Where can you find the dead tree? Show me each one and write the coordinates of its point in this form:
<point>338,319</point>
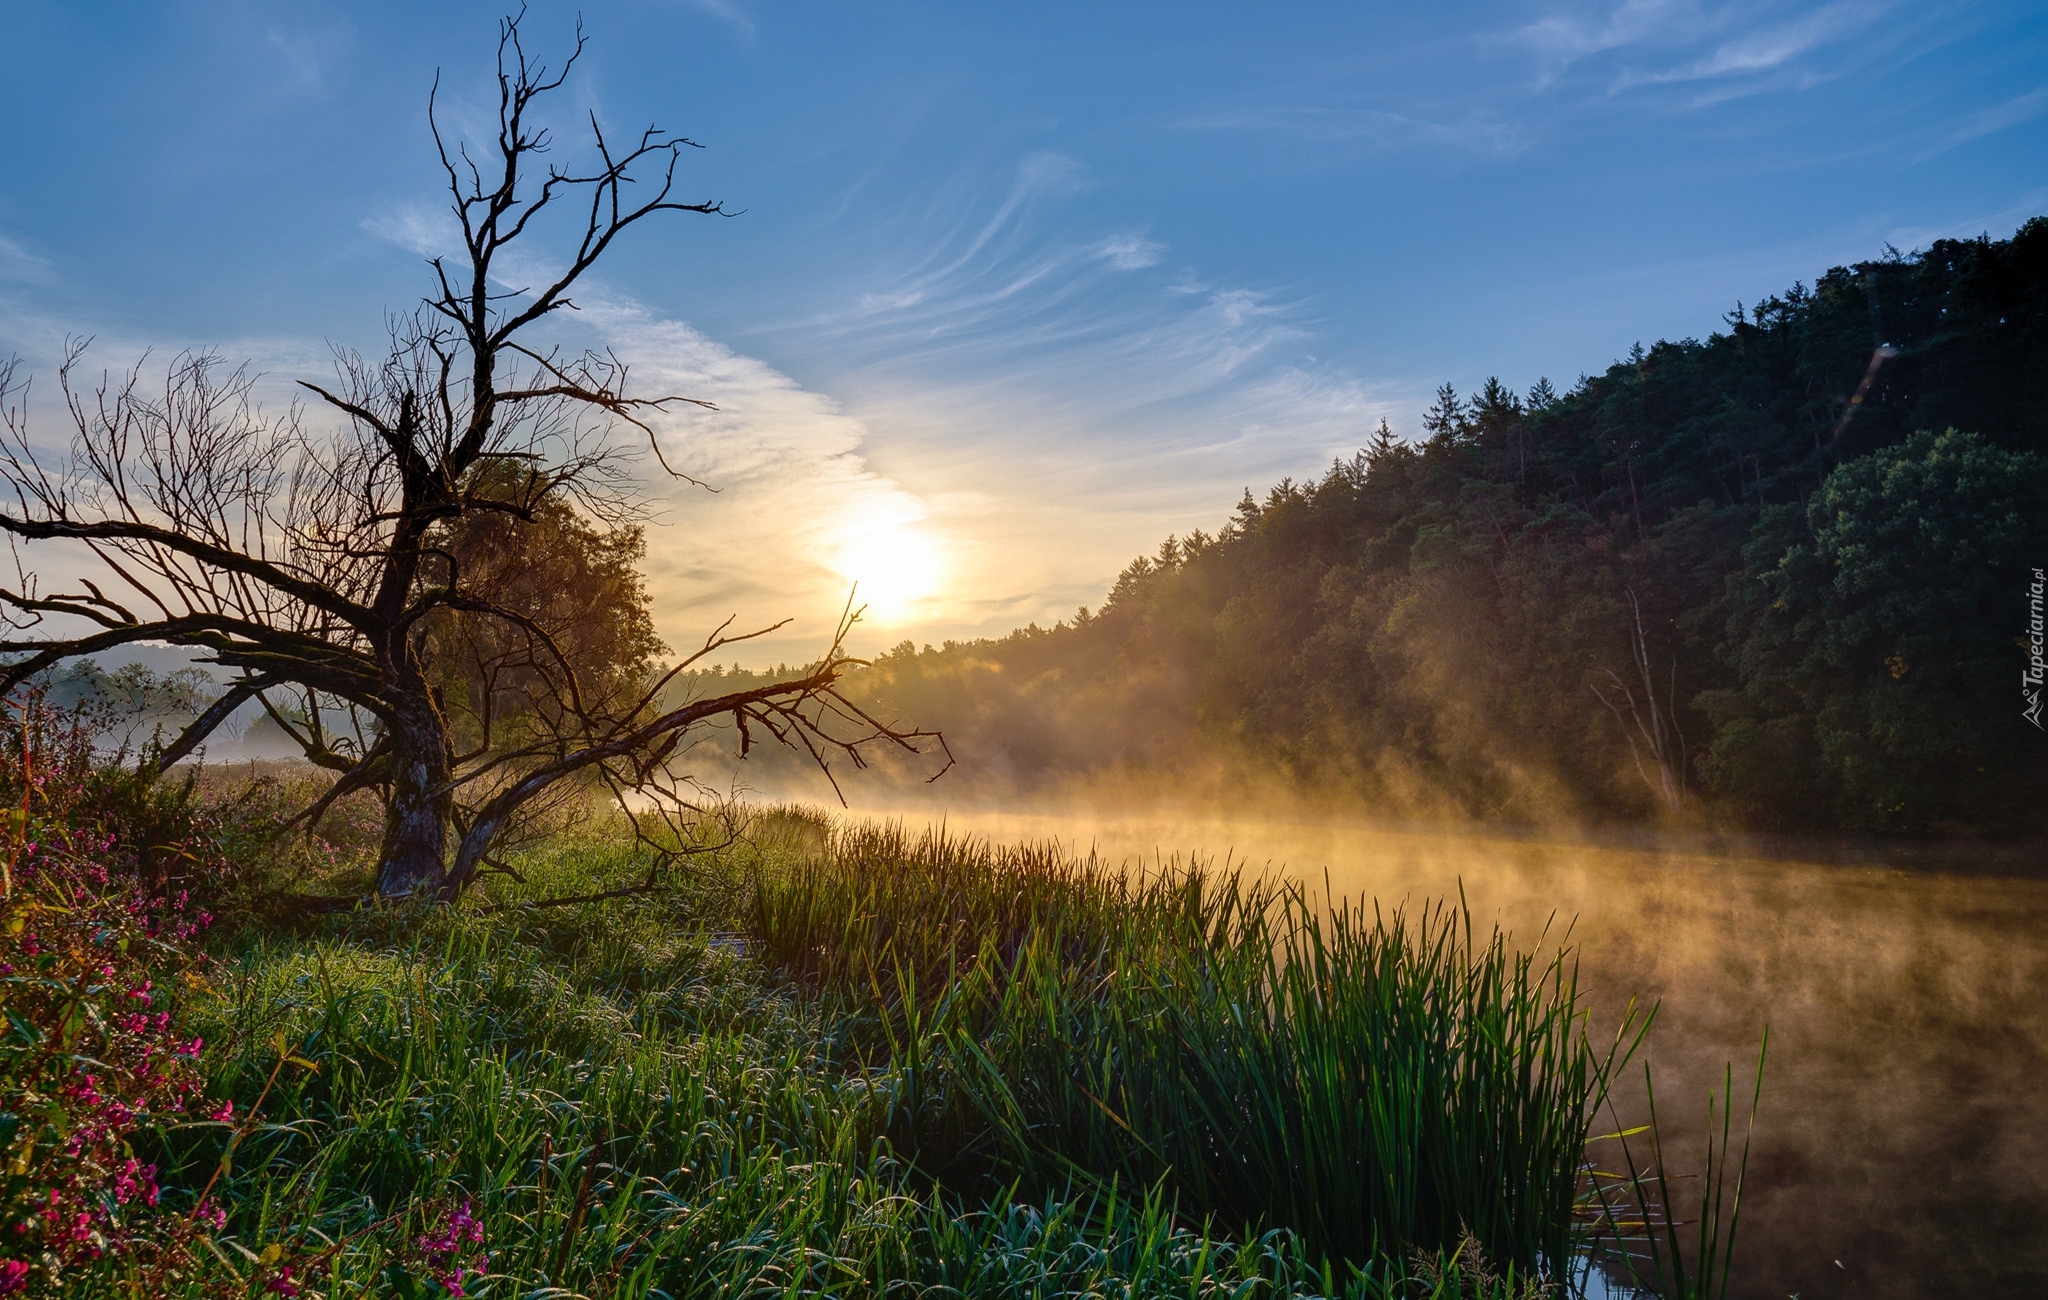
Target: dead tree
<point>313,566</point>
<point>1648,726</point>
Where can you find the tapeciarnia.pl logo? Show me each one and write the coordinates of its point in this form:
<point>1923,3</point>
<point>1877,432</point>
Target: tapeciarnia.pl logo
<point>2030,681</point>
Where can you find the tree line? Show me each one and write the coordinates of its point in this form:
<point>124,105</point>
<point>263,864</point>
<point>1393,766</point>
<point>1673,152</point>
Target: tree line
<point>1776,578</point>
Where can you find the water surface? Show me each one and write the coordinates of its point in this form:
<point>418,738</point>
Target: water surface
<point>1902,1148</point>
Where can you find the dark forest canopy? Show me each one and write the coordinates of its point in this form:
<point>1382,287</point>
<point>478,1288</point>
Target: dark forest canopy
<point>1775,578</point>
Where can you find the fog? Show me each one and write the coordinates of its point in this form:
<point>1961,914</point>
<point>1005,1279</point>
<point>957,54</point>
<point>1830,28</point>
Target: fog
<point>1902,1146</point>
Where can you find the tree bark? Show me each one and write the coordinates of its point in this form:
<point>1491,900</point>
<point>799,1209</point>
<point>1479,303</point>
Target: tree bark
<point>414,860</point>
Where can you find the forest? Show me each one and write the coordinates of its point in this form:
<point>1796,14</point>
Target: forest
<point>1776,579</point>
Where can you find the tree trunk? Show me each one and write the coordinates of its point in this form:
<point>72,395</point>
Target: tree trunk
<point>415,855</point>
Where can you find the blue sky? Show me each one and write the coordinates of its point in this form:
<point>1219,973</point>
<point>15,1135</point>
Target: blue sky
<point>1018,290</point>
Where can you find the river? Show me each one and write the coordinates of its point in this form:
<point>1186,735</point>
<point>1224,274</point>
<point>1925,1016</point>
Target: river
<point>1902,1145</point>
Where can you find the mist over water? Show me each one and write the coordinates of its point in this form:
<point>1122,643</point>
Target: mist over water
<point>1902,1146</point>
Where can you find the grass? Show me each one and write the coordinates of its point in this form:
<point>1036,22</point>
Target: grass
<point>1378,1084</point>
<point>924,1067</point>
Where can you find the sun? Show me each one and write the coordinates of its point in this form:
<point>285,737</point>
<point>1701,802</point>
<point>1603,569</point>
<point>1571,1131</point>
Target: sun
<point>894,566</point>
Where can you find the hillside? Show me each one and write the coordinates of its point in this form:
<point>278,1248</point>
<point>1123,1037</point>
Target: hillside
<point>1746,579</point>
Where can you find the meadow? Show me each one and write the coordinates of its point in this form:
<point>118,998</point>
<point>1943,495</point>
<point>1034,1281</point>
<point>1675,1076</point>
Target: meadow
<point>842,1059</point>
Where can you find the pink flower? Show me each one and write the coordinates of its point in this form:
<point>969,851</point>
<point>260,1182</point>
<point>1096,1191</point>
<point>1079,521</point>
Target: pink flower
<point>222,1113</point>
<point>13,1275</point>
<point>124,1185</point>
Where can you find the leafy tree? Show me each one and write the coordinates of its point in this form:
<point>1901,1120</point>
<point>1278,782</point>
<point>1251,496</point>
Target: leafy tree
<point>131,689</point>
<point>577,590</point>
<point>1874,635</point>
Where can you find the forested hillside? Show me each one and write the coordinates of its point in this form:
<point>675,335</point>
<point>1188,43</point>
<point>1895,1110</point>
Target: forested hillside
<point>1776,578</point>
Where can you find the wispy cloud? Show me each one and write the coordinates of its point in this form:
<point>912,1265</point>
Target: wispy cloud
<point>1478,131</point>
<point>1989,121</point>
<point>1639,43</point>
<point>728,12</point>
<point>1576,57</point>
<point>1566,36</point>
<point>1766,48</point>
<point>428,230</point>
<point>309,49</point>
<point>994,278</point>
<point>22,266</point>
<point>1132,252</point>
<point>1061,399</point>
<point>784,465</point>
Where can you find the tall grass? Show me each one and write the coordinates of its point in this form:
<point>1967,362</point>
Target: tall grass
<point>633,1105</point>
<point>1638,1210</point>
<point>1380,1084</point>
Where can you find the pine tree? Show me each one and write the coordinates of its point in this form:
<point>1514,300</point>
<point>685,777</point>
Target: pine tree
<point>1446,419</point>
<point>1495,405</point>
<point>1381,445</point>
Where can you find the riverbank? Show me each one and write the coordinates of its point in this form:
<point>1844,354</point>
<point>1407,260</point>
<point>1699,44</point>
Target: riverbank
<point>842,1063</point>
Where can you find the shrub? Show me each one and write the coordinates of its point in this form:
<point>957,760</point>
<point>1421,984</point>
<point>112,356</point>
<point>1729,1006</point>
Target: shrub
<point>96,933</point>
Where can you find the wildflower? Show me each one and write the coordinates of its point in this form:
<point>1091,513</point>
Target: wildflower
<point>135,1179</point>
<point>13,1275</point>
<point>222,1113</point>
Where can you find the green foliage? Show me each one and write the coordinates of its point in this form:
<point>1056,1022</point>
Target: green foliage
<point>631,1101</point>
<point>130,689</point>
<point>1642,1212</point>
<point>1873,635</point>
<point>574,586</point>
<point>1421,628</point>
<point>1376,1084</point>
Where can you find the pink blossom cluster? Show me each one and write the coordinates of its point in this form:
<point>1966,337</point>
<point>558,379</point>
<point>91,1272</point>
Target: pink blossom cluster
<point>453,1251</point>
<point>87,933</point>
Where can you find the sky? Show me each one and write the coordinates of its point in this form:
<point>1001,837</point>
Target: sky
<point>1015,291</point>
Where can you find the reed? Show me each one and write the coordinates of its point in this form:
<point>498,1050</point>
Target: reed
<point>1637,1211</point>
<point>1378,1083</point>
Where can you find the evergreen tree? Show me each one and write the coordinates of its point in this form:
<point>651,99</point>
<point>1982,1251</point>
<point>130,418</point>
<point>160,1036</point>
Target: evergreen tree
<point>1445,420</point>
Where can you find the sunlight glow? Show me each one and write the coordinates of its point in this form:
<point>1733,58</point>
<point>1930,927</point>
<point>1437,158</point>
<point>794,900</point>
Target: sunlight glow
<point>895,565</point>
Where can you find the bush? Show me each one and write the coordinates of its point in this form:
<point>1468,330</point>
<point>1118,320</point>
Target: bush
<point>99,927</point>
